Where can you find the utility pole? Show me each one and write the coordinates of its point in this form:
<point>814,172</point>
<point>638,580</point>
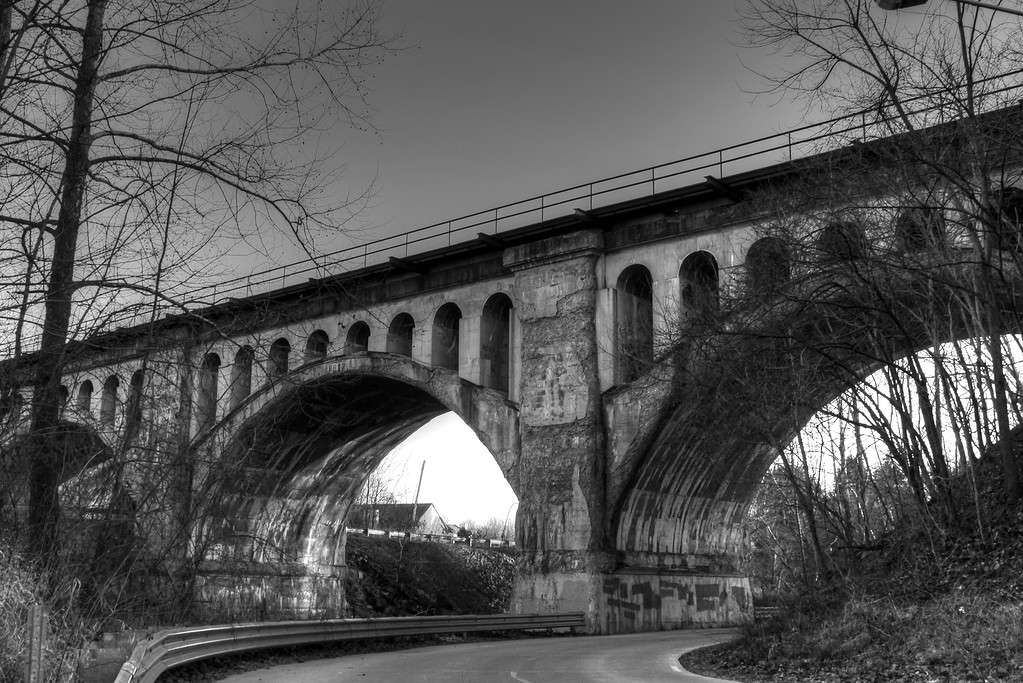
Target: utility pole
<point>415,502</point>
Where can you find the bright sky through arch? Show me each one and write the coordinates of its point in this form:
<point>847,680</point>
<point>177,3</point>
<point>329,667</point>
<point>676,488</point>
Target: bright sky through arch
<point>461,477</point>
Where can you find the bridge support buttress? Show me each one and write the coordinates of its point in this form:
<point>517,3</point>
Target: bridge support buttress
<point>569,560</point>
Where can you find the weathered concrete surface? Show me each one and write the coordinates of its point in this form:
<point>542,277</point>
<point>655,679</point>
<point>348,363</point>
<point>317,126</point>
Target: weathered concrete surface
<point>560,520</point>
<point>226,592</point>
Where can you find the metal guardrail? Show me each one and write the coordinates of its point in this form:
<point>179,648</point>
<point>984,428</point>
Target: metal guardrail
<point>767,612</point>
<point>174,647</point>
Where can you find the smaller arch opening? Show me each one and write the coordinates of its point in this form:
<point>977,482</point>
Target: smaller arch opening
<point>767,266</point>
<point>495,342</point>
<point>698,282</point>
<point>357,340</point>
<point>241,375</point>
<point>134,408</point>
<point>206,409</point>
<point>83,402</point>
<point>108,402</point>
<point>316,346</point>
<point>634,323</point>
<point>1004,228</point>
<point>280,351</point>
<point>64,395</point>
<point>399,335</point>
<point>444,349</point>
<point>841,241</point>
<point>918,229</point>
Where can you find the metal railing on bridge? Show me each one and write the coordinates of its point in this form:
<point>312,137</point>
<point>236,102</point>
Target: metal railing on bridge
<point>788,145</point>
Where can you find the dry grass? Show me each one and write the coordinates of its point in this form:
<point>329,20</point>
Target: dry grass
<point>957,637</point>
<point>19,590</point>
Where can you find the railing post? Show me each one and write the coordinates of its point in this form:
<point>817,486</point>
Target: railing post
<point>449,233</point>
<point>34,663</point>
<point>721,164</point>
<point>495,221</point>
<point>790,146</point>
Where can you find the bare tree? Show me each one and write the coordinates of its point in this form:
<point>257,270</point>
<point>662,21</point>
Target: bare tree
<point>136,135</point>
<point>931,81</point>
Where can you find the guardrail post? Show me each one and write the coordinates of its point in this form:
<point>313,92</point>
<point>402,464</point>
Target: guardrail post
<point>36,642</point>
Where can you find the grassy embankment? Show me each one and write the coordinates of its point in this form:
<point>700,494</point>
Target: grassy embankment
<point>918,607</point>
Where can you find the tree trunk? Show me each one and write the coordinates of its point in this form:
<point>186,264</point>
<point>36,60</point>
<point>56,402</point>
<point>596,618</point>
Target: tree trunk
<point>46,465</point>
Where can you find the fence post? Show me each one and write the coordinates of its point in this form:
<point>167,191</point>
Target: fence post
<point>36,644</point>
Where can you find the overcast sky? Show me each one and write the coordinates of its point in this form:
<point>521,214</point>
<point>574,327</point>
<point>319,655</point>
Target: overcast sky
<point>493,102</point>
<point>496,101</point>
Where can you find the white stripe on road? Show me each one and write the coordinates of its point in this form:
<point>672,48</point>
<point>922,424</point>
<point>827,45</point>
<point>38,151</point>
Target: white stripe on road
<point>518,678</point>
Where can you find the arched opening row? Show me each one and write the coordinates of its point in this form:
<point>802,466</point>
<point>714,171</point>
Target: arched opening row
<point>110,400</point>
<point>446,352</point>
<point>768,267</point>
<point>698,298</point>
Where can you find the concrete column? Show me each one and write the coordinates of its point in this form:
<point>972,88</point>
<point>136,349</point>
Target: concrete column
<point>605,331</point>
<point>515,357</point>
<point>666,312</point>
<point>560,520</point>
<point>422,342</point>
<point>377,336</point>
<point>469,349</point>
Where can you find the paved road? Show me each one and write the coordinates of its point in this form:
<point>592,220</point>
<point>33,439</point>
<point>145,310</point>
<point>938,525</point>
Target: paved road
<point>633,658</point>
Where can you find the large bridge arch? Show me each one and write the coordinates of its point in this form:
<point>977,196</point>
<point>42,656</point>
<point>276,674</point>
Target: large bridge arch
<point>681,478</point>
<point>291,458</point>
<point>486,411</point>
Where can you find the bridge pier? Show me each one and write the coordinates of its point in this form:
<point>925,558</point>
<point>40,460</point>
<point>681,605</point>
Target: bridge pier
<point>560,521</point>
<point>569,561</point>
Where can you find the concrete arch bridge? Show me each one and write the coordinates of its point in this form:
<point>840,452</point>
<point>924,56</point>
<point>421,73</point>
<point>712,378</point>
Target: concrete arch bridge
<point>617,362</point>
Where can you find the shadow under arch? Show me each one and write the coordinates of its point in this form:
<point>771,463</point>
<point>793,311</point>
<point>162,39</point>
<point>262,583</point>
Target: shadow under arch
<point>682,485</point>
<point>286,465</point>
<point>82,453</point>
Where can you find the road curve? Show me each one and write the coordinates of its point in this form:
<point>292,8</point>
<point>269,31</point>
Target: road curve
<point>634,658</point>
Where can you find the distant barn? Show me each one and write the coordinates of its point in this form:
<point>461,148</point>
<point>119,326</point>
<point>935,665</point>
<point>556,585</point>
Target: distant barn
<point>422,518</point>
